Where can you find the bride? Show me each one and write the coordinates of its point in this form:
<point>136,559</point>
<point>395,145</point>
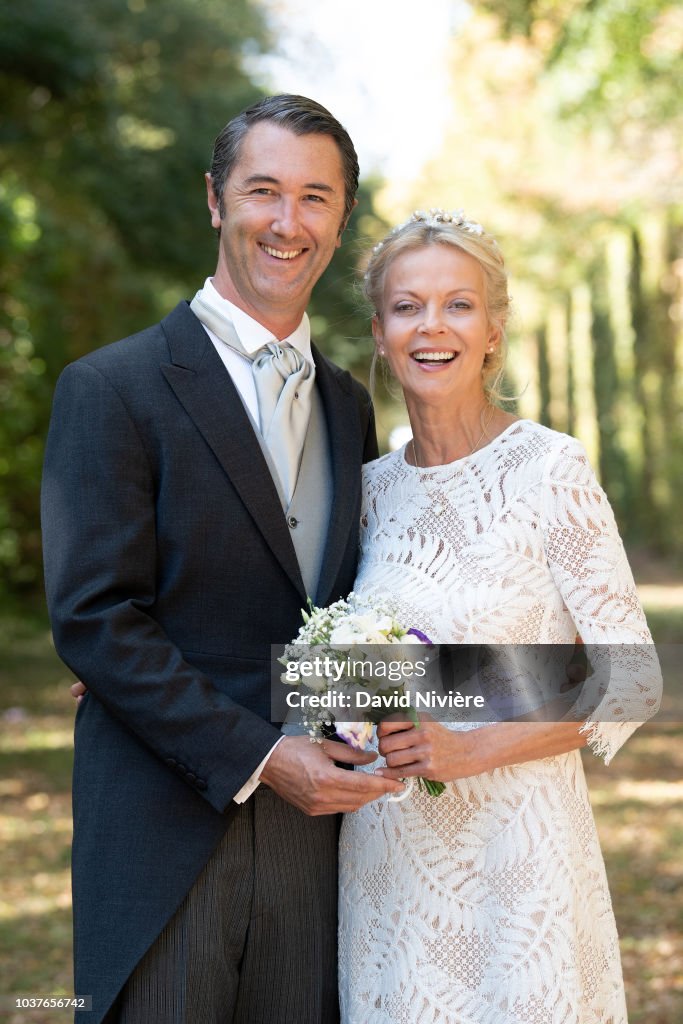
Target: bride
<point>488,904</point>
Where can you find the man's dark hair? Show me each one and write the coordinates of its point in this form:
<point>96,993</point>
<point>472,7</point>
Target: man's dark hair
<point>297,114</point>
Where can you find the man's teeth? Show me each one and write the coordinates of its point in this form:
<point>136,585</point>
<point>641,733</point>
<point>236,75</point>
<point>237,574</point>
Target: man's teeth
<point>279,254</point>
<point>433,357</point>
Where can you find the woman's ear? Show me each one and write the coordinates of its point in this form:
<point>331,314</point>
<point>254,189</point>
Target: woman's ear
<point>494,339</point>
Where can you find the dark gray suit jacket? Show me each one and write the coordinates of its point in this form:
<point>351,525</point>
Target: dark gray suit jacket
<point>169,571</point>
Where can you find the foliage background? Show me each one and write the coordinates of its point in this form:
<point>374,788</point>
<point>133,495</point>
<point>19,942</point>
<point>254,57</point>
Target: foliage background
<point>565,139</point>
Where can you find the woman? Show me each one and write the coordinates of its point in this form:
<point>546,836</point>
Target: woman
<point>488,904</point>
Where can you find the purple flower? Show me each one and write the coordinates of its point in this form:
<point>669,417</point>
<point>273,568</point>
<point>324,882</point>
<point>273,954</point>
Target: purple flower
<point>422,637</point>
<point>356,734</point>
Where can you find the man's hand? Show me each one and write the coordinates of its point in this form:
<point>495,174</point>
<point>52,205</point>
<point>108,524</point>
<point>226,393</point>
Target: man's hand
<point>304,774</point>
<point>78,690</point>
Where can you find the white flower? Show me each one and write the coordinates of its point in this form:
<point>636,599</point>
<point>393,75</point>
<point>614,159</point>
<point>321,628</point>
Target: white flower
<point>371,624</point>
<point>345,635</point>
<point>362,628</point>
<point>317,681</point>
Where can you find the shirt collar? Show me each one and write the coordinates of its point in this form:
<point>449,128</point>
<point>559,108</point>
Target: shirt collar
<point>251,333</point>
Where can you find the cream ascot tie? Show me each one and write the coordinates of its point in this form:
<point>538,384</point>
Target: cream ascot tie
<point>284,381</point>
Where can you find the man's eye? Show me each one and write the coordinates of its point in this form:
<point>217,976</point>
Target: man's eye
<point>317,199</point>
<point>262,191</point>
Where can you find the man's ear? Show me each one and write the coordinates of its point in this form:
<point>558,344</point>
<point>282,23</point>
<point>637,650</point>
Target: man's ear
<point>212,202</point>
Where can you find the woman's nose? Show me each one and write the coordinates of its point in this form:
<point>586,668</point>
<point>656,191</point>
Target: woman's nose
<point>432,321</point>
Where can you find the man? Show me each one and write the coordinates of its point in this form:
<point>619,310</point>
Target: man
<point>197,487</point>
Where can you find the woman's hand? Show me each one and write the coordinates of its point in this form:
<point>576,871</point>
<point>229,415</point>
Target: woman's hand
<point>428,750</point>
<point>435,752</point>
<point>78,690</point>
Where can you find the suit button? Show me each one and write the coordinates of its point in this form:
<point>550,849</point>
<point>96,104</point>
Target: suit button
<point>191,777</point>
<point>201,784</point>
<point>292,522</point>
<point>171,762</point>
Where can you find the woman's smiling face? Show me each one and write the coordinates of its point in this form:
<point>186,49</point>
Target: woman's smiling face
<point>433,327</point>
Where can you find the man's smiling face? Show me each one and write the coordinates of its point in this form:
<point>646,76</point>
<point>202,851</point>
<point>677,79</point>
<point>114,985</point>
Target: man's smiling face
<point>283,213</point>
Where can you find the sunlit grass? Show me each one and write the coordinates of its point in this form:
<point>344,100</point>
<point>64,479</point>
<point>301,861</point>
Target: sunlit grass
<point>659,597</point>
<point>49,734</point>
<point>638,803</point>
<point>36,730</point>
<point>651,791</point>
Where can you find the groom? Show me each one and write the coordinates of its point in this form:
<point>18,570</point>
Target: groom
<point>202,479</point>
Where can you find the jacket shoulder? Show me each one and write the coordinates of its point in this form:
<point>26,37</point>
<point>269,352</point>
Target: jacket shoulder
<point>146,344</point>
<point>144,351</point>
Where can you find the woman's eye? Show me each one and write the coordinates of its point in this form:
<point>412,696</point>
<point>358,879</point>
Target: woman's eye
<point>404,307</point>
<point>460,304</point>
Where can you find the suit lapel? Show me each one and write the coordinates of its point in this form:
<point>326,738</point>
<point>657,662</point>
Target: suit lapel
<point>206,391</point>
<point>346,445</point>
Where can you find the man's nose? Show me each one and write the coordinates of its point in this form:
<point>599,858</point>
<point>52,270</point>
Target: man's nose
<point>286,223</point>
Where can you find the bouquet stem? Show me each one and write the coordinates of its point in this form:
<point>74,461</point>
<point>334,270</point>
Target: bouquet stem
<point>432,787</point>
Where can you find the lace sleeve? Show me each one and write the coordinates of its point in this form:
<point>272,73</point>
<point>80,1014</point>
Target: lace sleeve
<point>589,566</point>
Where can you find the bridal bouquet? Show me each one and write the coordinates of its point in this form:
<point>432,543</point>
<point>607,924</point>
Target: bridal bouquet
<point>339,656</point>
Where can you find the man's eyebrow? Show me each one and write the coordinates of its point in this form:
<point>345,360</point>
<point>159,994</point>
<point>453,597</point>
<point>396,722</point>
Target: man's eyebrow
<point>255,179</point>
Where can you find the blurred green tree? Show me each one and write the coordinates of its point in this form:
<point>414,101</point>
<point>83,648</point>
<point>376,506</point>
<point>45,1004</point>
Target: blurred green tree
<point>109,111</point>
<point>340,317</point>
<point>566,139</point>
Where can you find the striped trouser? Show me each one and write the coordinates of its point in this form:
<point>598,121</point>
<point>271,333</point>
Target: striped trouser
<point>254,941</point>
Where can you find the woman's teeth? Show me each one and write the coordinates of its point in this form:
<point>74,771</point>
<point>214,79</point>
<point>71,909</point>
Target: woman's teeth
<point>433,357</point>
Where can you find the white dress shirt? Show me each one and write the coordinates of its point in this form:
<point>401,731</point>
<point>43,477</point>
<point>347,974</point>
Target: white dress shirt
<point>253,336</point>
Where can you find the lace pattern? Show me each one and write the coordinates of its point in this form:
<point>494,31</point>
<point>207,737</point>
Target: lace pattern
<point>489,905</point>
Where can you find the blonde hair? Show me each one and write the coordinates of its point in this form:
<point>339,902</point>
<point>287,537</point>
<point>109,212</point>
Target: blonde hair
<point>417,234</point>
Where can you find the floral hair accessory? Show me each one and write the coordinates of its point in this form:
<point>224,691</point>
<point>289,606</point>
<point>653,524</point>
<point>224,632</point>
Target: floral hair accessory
<point>435,217</point>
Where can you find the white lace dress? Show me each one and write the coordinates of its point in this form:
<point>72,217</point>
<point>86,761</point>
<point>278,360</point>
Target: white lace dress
<point>489,904</point>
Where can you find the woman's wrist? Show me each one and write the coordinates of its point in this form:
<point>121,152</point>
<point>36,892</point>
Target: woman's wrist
<point>472,754</point>
<point>482,748</point>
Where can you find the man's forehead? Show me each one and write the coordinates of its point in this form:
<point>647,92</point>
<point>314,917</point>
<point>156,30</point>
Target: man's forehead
<point>270,152</point>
